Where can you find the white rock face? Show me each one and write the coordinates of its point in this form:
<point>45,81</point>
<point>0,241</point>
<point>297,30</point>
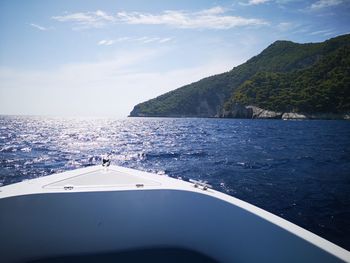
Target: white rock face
<point>293,116</point>
<point>238,111</point>
<point>259,113</point>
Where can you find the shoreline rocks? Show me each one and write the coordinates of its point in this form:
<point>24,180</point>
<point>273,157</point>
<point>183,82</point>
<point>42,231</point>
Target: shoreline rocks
<point>293,116</point>
<point>259,113</point>
<point>253,112</point>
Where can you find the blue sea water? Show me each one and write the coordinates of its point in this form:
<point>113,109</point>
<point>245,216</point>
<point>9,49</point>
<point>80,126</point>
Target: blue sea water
<point>299,170</point>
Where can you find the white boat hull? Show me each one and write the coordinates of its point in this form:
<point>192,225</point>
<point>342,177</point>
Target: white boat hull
<point>53,219</point>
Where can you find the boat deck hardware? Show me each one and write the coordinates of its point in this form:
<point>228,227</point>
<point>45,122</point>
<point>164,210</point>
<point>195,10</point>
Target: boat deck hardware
<point>106,161</point>
<point>203,184</point>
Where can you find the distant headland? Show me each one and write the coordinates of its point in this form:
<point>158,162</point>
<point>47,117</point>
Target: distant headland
<point>285,81</point>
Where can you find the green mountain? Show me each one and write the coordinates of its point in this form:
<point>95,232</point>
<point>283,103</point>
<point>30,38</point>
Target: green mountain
<point>286,76</point>
<point>324,87</point>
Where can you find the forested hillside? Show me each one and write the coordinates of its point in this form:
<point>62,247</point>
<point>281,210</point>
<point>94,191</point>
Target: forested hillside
<point>286,76</point>
<point>324,87</point>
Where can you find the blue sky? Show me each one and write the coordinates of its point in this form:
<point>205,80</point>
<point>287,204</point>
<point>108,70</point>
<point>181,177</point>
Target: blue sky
<point>100,58</point>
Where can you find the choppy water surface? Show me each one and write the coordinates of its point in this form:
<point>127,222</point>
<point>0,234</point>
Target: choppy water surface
<point>299,170</point>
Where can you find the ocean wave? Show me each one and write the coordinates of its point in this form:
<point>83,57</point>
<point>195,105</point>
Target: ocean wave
<point>8,149</point>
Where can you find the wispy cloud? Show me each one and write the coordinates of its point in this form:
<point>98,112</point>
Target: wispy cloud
<point>105,42</point>
<point>212,18</point>
<point>41,28</point>
<point>285,26</point>
<point>164,40</point>
<point>302,29</point>
<point>257,2</point>
<point>88,19</point>
<point>254,2</point>
<point>326,32</point>
<point>325,3</point>
<point>143,40</point>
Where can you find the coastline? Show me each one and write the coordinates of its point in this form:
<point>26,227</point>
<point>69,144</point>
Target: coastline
<point>253,112</point>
